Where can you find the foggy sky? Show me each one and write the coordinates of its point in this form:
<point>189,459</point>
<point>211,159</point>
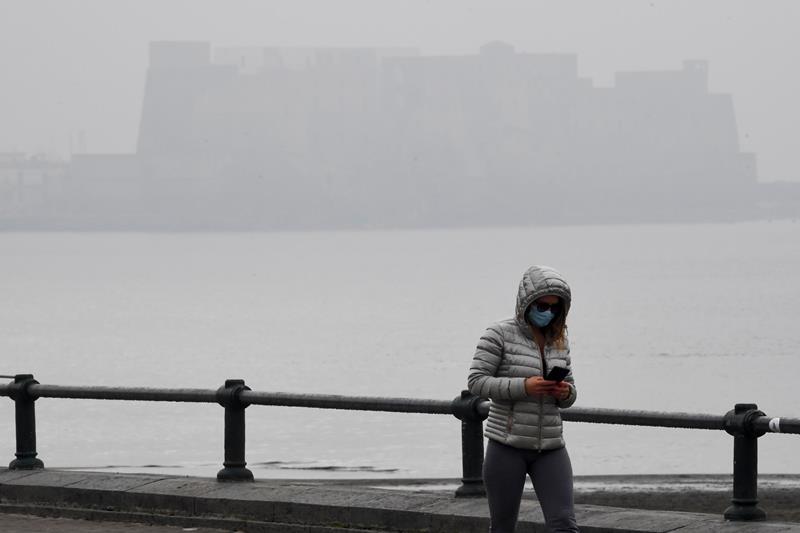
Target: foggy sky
<point>69,66</point>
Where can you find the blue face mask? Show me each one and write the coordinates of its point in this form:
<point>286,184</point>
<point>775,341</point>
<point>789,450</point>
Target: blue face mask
<point>540,318</point>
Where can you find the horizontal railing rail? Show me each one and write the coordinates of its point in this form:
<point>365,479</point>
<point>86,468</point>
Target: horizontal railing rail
<point>745,423</point>
<point>123,393</point>
<point>627,417</point>
<point>352,403</point>
<point>399,405</point>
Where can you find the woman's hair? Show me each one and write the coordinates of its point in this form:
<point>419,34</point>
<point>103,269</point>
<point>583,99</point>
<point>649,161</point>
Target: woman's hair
<point>556,331</point>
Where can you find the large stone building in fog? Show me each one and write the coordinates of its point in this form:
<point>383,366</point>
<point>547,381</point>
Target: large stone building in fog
<point>346,137</point>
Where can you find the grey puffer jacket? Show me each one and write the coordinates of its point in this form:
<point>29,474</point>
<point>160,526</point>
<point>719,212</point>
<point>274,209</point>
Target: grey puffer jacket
<point>506,355</point>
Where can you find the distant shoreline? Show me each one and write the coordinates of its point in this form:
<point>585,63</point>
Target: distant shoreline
<point>7,226</point>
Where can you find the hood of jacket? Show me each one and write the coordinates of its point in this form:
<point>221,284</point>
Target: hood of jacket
<point>539,281</point>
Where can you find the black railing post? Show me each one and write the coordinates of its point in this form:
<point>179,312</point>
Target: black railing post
<point>25,417</point>
<point>228,397</point>
<point>739,423</point>
<point>465,408</point>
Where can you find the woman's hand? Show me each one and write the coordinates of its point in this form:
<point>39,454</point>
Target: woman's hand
<point>561,391</point>
<point>537,385</point>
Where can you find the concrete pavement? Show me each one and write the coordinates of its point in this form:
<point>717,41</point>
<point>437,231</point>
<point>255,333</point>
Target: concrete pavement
<point>307,506</point>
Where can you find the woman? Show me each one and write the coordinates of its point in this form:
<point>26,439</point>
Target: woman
<point>524,424</point>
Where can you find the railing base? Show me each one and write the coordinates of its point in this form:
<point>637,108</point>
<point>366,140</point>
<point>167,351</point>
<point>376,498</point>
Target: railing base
<point>745,512</point>
<point>235,474</point>
<point>26,464</point>
<point>471,488</point>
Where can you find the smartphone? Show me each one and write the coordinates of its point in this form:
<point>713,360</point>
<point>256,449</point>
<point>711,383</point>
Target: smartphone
<point>557,373</point>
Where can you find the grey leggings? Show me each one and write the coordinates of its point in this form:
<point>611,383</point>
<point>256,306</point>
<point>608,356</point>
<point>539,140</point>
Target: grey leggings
<point>504,473</point>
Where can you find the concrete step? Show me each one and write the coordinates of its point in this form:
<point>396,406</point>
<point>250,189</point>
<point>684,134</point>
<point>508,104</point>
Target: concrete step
<point>218,524</point>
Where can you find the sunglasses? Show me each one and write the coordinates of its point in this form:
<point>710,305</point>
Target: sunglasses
<point>542,307</point>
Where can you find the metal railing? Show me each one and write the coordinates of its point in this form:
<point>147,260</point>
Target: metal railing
<point>745,423</point>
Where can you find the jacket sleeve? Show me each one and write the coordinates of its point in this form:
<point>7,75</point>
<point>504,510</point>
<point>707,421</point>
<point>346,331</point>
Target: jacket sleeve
<point>573,392</point>
<point>482,379</point>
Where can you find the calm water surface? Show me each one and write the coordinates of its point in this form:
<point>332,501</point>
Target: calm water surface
<point>677,318</point>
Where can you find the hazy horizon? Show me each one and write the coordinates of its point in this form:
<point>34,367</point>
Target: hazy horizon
<point>77,69</point>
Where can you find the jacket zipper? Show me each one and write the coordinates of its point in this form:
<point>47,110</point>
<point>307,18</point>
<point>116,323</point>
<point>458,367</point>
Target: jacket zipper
<point>541,398</point>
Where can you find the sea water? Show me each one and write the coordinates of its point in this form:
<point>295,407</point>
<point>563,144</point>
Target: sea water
<point>691,318</point>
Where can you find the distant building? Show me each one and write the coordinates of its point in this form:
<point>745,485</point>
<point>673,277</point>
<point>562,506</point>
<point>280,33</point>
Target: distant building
<point>29,185</point>
<point>362,137</point>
